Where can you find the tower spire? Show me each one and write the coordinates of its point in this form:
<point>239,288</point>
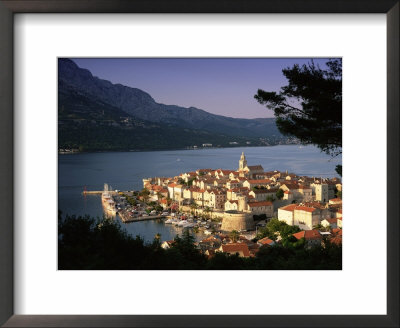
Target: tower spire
<point>242,162</point>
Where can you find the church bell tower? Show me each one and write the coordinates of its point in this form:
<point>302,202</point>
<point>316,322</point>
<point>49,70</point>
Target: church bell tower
<point>242,162</point>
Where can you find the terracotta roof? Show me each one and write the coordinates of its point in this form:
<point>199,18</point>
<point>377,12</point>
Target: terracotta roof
<point>218,192</point>
<point>239,189</point>
<point>290,207</point>
<point>336,236</point>
<point>330,182</point>
<point>272,172</point>
<point>259,181</point>
<point>337,231</point>
<point>210,239</point>
<point>257,204</point>
<point>288,192</point>
<point>233,201</point>
<point>266,241</point>
<point>308,235</point>
<point>172,185</point>
<point>261,191</point>
<point>226,171</point>
<point>335,200</point>
<point>314,204</point>
<point>336,240</point>
<point>291,185</point>
<point>236,247</point>
<point>333,220</point>
<point>304,187</point>
<point>255,167</point>
<point>305,208</point>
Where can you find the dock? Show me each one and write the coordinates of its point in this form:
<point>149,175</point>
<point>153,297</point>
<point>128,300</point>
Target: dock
<point>111,210</point>
<point>92,192</point>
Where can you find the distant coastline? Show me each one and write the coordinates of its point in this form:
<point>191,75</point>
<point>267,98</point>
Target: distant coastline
<point>77,151</point>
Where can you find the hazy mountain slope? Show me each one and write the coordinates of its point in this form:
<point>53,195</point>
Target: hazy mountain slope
<point>141,105</point>
<point>92,125</point>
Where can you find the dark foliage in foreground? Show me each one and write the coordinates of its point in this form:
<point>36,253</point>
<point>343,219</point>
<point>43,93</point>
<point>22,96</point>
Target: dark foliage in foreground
<point>86,243</point>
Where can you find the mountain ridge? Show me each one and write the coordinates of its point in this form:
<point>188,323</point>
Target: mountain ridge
<point>142,105</point>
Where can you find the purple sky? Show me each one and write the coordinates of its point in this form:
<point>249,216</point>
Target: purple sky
<point>219,86</point>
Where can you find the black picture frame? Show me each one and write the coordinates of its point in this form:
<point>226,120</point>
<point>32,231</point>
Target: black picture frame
<point>10,7</point>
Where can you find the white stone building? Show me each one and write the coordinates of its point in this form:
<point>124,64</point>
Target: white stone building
<point>258,208</point>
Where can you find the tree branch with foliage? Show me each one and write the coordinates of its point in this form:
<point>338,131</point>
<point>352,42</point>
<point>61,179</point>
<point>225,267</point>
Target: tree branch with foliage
<point>310,106</point>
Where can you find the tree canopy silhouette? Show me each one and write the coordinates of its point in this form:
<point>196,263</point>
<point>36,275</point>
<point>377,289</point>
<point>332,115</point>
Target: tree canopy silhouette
<point>86,243</point>
<point>310,106</point>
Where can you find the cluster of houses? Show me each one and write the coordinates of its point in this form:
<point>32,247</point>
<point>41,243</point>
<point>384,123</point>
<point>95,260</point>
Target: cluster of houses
<point>298,200</point>
<point>224,243</point>
<point>247,248</point>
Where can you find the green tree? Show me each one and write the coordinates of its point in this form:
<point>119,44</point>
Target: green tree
<point>208,212</point>
<point>234,235</point>
<point>339,194</point>
<point>338,169</point>
<point>193,206</point>
<point>265,232</point>
<point>85,243</point>
<point>270,198</point>
<point>279,194</point>
<point>145,194</point>
<point>309,107</point>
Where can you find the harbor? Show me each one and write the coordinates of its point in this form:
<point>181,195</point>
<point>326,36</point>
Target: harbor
<point>130,209</point>
<point>93,169</point>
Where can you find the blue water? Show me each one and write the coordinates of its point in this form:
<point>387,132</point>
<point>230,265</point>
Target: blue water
<point>125,171</point>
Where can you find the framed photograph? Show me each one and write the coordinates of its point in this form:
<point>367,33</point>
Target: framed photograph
<point>153,153</point>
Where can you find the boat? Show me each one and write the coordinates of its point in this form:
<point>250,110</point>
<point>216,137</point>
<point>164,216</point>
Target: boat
<point>169,221</point>
<point>108,202</point>
<point>182,223</point>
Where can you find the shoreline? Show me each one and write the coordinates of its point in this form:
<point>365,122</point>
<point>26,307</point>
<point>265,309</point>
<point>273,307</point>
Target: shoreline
<point>171,149</point>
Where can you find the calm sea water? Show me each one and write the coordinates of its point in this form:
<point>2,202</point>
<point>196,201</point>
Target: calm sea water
<point>125,171</point>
